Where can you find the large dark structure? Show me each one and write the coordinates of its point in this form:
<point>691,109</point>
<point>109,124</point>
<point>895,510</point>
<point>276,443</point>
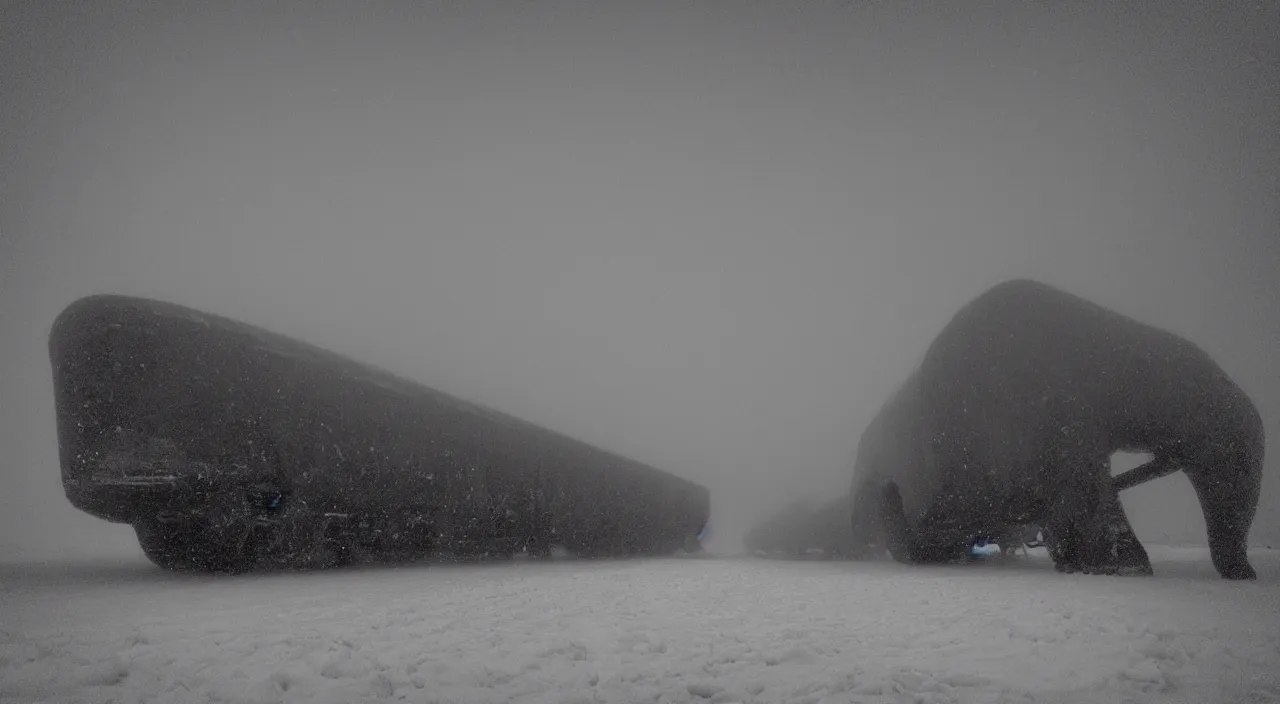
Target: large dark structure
<point>1012,418</point>
<point>230,448</point>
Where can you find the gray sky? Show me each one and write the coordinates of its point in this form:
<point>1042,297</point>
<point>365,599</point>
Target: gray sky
<point>712,236</point>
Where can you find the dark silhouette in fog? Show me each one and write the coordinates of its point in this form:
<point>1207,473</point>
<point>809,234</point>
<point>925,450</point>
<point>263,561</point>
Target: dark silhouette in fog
<point>802,529</point>
<point>1012,418</point>
<point>230,448</point>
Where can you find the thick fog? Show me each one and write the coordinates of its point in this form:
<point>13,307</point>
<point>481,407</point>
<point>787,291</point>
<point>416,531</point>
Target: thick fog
<point>711,236</point>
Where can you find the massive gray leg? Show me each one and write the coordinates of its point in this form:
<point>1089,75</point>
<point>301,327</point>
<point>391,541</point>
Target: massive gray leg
<point>895,529</point>
<point>910,546</point>
<point>1090,530</point>
<point>866,508</point>
<point>1228,499</point>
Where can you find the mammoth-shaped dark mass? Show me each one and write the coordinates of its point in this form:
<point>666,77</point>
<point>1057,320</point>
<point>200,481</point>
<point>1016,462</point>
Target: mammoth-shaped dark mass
<point>1012,416</point>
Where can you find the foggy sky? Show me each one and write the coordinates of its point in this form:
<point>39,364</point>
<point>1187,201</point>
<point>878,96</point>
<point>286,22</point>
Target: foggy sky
<point>712,236</point>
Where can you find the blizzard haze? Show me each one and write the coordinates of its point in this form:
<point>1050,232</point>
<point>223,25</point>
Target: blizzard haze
<point>710,236</point>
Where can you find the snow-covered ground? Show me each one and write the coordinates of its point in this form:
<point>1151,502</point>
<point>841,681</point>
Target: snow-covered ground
<point>666,630</point>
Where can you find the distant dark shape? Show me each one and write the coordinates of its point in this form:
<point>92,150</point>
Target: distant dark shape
<point>803,531</point>
<point>230,448</point>
<point>1013,415</point>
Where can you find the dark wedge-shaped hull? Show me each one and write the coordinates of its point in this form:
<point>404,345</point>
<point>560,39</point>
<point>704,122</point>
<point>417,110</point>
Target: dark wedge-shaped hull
<point>231,448</point>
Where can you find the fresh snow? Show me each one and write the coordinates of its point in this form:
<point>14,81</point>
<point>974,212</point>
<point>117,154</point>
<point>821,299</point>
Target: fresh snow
<point>663,630</point>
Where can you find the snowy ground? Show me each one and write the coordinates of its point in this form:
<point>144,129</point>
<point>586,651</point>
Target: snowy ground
<point>671,630</point>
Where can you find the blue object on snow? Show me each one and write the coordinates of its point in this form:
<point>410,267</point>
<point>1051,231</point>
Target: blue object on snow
<point>983,547</point>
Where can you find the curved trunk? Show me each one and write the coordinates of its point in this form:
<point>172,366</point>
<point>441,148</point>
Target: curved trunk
<point>1227,478</point>
<point>1228,499</point>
